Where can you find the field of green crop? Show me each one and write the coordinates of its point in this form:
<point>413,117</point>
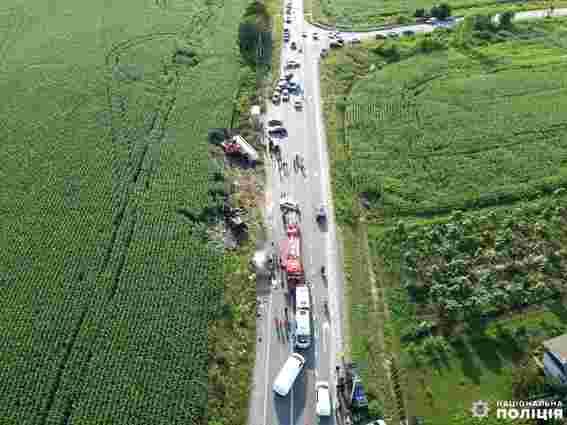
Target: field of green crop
<point>461,299</point>
<point>361,14</point>
<point>445,130</point>
<point>107,280</point>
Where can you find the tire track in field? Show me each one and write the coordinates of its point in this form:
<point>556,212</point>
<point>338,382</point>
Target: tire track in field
<point>124,187</point>
<point>153,135</point>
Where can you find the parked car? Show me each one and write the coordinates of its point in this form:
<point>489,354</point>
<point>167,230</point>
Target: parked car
<point>275,123</point>
<point>304,34</point>
<point>298,104</point>
<point>380,37</point>
<point>288,76</point>
<point>288,20</point>
<point>278,131</point>
<point>315,36</point>
<point>293,45</point>
<point>393,35</point>
<point>355,40</point>
<point>335,45</point>
<point>285,95</point>
<point>323,53</point>
<point>323,407</point>
<point>408,33</point>
<point>276,98</point>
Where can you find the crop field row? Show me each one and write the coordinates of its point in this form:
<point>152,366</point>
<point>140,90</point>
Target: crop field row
<point>108,279</point>
<point>363,14</point>
<point>472,293</point>
<point>456,139</point>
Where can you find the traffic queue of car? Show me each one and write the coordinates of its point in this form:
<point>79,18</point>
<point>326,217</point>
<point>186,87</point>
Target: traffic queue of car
<point>288,85</point>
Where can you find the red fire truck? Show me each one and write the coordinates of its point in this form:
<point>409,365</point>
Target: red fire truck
<point>291,260</point>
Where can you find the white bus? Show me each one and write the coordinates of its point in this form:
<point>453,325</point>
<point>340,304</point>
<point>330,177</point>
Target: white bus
<point>302,329</point>
<point>290,370</point>
<point>302,299</point>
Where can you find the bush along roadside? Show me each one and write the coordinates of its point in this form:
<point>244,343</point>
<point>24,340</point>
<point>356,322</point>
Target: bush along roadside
<point>232,336</point>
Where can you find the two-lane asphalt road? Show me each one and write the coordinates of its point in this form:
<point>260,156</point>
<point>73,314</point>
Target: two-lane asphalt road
<point>305,137</point>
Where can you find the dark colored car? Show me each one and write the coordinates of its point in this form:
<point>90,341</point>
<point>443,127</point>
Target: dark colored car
<point>321,214</point>
<point>275,123</point>
<point>278,131</point>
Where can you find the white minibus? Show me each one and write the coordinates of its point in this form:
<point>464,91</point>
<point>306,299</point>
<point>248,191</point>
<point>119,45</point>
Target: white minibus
<point>290,370</point>
<point>302,329</point>
<point>302,299</point>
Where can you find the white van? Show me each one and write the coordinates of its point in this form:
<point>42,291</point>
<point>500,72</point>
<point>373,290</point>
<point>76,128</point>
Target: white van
<point>302,299</point>
<point>303,329</point>
<point>323,407</point>
<point>290,370</point>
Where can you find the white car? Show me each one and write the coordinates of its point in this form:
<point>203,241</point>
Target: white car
<point>355,40</point>
<point>298,104</point>
<point>285,95</point>
<point>315,36</point>
<point>276,98</point>
<point>323,399</point>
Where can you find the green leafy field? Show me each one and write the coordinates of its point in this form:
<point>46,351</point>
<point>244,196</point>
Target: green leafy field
<point>107,280</point>
<point>479,292</point>
<point>468,296</point>
<point>363,14</point>
<point>458,130</point>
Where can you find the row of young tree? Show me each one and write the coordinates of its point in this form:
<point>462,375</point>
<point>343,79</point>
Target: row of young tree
<point>442,11</point>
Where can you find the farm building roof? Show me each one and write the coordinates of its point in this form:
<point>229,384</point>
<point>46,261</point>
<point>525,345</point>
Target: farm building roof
<point>558,346</point>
